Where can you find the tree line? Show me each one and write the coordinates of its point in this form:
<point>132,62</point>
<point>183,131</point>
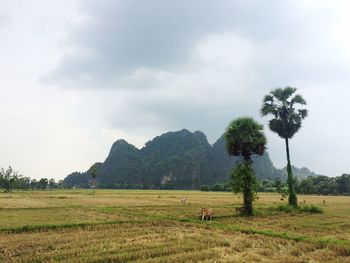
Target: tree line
<point>317,185</point>
<point>10,179</point>
<point>324,185</point>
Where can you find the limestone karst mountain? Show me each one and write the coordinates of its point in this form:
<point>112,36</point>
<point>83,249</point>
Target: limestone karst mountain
<point>174,160</point>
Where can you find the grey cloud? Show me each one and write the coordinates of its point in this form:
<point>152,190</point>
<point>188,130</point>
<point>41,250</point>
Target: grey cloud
<point>173,113</point>
<point>121,36</point>
<point>144,51</point>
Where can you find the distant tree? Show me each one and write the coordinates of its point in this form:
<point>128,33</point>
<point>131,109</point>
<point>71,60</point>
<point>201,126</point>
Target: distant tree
<point>204,188</point>
<point>60,184</point>
<point>288,115</point>
<point>324,185</point>
<point>265,186</point>
<point>43,182</point>
<point>278,184</point>
<point>22,182</point>
<point>244,138</point>
<point>228,187</point>
<point>33,184</point>
<point>52,184</point>
<point>218,187</point>
<point>93,172</point>
<point>280,187</point>
<point>327,187</point>
<point>343,184</point>
<point>7,178</point>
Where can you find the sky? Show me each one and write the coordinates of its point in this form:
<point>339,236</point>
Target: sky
<point>77,75</point>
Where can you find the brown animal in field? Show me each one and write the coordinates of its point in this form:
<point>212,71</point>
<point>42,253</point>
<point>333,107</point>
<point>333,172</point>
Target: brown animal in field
<point>184,200</point>
<point>303,201</point>
<point>206,214</point>
<point>324,202</point>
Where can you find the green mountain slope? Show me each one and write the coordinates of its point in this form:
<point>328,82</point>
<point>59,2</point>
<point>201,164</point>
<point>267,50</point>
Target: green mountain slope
<point>174,160</point>
<point>300,173</point>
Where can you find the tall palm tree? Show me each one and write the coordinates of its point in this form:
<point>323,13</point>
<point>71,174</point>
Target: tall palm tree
<point>288,112</point>
<point>244,138</point>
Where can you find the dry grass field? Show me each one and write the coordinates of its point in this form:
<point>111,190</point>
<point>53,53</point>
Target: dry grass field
<point>155,226</point>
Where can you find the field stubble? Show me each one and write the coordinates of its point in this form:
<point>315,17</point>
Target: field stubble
<point>154,226</point>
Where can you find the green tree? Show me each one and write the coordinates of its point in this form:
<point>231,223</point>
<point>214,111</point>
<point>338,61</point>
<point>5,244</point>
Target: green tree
<point>93,172</point>
<point>22,182</point>
<point>343,184</point>
<point>43,182</point>
<point>244,138</point>
<point>218,187</point>
<point>204,188</point>
<point>60,184</point>
<point>278,184</point>
<point>52,184</point>
<point>7,178</point>
<point>288,112</point>
<point>33,184</point>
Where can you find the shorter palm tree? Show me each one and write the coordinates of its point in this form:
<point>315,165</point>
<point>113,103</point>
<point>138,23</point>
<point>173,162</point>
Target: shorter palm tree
<point>244,138</point>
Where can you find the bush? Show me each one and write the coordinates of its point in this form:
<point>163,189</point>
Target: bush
<point>284,208</point>
<point>311,209</point>
<point>204,188</point>
<point>305,209</point>
<point>218,188</point>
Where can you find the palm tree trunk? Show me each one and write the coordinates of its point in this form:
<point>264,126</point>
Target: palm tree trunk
<point>248,189</point>
<point>292,199</point>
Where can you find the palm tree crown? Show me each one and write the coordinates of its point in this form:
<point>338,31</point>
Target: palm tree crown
<point>282,105</point>
<point>245,137</point>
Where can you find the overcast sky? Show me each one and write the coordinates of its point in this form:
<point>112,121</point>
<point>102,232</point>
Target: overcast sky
<point>76,75</point>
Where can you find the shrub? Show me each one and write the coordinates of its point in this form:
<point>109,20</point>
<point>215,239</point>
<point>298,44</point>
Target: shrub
<point>284,208</point>
<point>204,188</point>
<point>218,187</point>
<point>305,209</point>
<point>311,209</point>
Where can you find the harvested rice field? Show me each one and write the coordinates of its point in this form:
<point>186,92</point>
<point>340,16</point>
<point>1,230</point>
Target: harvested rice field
<point>155,226</point>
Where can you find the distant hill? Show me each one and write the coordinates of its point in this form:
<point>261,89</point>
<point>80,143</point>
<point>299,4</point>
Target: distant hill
<point>300,173</point>
<point>174,160</point>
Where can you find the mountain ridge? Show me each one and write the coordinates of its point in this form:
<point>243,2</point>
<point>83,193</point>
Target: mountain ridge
<point>174,160</point>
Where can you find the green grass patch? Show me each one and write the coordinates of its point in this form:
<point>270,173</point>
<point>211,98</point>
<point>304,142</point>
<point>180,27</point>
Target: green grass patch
<point>312,209</point>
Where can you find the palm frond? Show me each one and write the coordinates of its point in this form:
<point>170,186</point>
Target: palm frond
<point>283,94</point>
<point>303,113</point>
<point>298,99</point>
<point>268,98</point>
<point>268,109</point>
